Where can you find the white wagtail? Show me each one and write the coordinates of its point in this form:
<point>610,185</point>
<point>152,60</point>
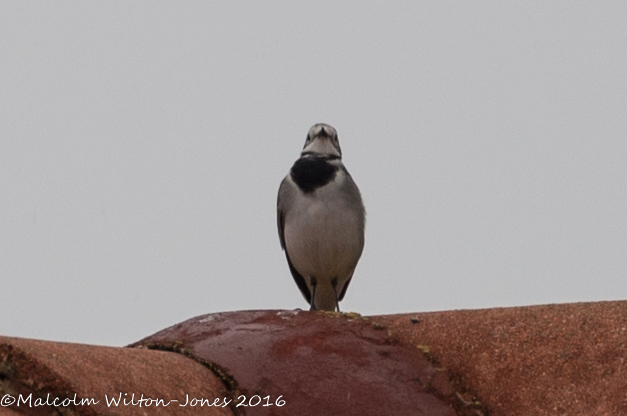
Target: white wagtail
<point>321,220</point>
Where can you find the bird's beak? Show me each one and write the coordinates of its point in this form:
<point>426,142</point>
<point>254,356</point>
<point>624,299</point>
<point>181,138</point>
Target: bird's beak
<point>322,133</point>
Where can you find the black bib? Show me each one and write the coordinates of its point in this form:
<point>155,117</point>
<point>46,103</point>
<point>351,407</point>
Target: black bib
<point>310,173</point>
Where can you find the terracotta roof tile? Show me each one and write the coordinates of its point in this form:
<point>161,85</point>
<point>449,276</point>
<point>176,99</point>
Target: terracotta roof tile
<point>538,360</point>
<point>7,411</point>
<point>63,370</point>
<point>320,363</point>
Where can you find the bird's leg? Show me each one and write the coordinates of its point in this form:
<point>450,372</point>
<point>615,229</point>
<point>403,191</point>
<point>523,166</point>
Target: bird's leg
<point>334,284</point>
<point>313,282</point>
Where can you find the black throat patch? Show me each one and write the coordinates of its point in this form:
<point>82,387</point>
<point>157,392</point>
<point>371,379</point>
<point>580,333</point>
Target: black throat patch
<point>313,172</point>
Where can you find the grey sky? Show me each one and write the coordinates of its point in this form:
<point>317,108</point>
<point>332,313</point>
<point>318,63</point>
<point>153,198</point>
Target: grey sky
<point>142,145</point>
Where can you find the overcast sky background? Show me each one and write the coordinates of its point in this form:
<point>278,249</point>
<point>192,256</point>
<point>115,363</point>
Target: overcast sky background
<point>142,145</point>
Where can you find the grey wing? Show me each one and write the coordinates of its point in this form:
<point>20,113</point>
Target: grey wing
<point>284,201</point>
<point>353,197</point>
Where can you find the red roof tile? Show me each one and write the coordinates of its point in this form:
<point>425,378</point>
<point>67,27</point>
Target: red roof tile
<point>538,360</point>
<point>63,370</point>
<point>319,363</point>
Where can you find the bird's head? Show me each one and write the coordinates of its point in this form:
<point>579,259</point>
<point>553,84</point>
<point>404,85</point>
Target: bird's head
<point>322,140</point>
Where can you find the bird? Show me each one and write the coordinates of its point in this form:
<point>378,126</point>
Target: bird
<point>321,220</point>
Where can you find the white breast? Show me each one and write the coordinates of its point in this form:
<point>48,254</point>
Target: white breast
<point>323,232</point>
